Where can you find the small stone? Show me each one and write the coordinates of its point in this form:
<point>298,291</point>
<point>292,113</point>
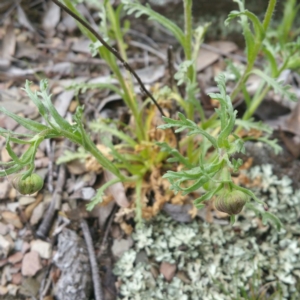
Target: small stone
<point>37,214</point>
<point>16,279</point>
<point>26,200</point>
<point>168,270</point>
<point>44,249</point>
<point>12,218</point>
<point>3,290</point>
<point>3,229</point>
<point>65,207</point>
<point>25,247</point>
<point>4,189</point>
<point>121,246</point>
<point>12,289</point>
<point>5,246</point>
<point>12,206</point>
<point>16,268</point>
<point>31,264</point>
<point>18,241</point>
<point>15,258</point>
<point>3,262</point>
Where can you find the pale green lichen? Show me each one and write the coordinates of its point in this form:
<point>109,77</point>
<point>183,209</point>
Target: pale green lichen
<point>220,261</point>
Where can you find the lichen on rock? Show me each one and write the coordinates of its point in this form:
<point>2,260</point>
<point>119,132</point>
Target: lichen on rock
<point>215,261</point>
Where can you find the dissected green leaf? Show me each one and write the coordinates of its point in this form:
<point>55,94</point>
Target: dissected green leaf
<point>132,6</point>
<point>283,90</point>
<point>27,123</point>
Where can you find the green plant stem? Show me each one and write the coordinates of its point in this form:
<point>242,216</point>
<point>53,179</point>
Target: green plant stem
<point>269,13</point>
<point>255,103</point>
<point>188,56</point>
<point>112,50</point>
<point>127,86</point>
<point>188,35</point>
<point>257,47</point>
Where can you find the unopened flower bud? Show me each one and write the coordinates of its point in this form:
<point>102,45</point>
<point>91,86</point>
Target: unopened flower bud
<point>29,185</point>
<point>232,202</point>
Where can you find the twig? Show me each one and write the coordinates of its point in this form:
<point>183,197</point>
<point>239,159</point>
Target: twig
<point>98,293</point>
<point>45,284</point>
<point>112,50</point>
<point>50,153</point>
<point>149,49</point>
<point>45,226</point>
<point>171,65</point>
<point>108,226</point>
<point>117,55</point>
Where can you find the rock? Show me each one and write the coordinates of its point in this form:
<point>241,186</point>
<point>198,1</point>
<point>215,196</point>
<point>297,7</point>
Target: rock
<point>15,258</point>
<point>3,229</point>
<point>30,285</point>
<point>121,246</point>
<point>25,247</point>
<point>37,214</point>
<point>44,249</point>
<point>73,261</point>
<point>179,213</point>
<point>5,246</point>
<point>12,218</point>
<point>3,262</point>
<point>12,206</point>
<point>31,264</point>
<point>168,270</point>
<point>26,200</point>
<point>4,189</point>
<point>16,278</point>
<point>12,289</point>
<point>3,290</point>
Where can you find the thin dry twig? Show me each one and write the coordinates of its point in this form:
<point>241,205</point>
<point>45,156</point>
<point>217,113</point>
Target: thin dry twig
<point>45,226</point>
<point>50,153</point>
<point>107,229</point>
<point>98,292</point>
<point>113,51</point>
<point>171,65</point>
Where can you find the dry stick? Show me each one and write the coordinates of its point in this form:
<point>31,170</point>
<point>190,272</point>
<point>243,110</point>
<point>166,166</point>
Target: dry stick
<point>98,293</point>
<point>45,226</point>
<point>107,229</point>
<point>50,153</point>
<point>171,65</point>
<point>113,51</point>
<point>171,73</point>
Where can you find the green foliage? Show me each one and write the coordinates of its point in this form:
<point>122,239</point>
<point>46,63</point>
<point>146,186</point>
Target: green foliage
<point>56,126</point>
<point>212,171</point>
<point>207,162</point>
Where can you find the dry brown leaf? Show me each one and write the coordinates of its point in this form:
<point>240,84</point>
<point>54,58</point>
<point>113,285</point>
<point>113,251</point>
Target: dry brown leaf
<point>117,190</point>
<point>205,59</point>
<point>127,228</point>
<point>23,20</point>
<point>12,218</point>
<point>51,18</point>
<point>29,209</point>
<point>8,44</point>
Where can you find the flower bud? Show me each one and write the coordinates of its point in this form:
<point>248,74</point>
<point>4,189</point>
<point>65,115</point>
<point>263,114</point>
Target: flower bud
<point>29,185</point>
<point>232,202</point>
